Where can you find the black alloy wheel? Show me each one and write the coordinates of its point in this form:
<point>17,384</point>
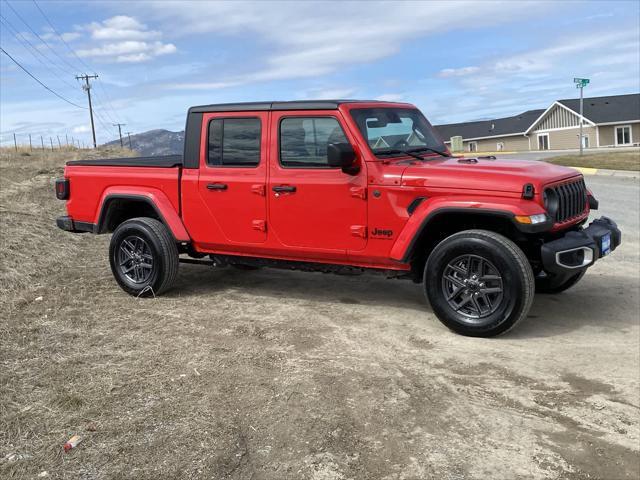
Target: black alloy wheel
<point>135,259</point>
<point>472,286</point>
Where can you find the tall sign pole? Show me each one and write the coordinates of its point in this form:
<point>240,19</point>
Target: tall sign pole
<point>87,88</point>
<point>581,83</point>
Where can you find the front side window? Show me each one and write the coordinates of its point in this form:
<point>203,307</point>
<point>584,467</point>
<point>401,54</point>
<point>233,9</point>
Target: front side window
<point>623,135</point>
<point>234,142</point>
<point>388,130</point>
<point>304,141</point>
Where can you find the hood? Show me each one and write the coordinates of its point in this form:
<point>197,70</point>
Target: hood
<point>484,174</point>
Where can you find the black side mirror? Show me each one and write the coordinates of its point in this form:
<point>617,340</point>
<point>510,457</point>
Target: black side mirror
<point>343,156</point>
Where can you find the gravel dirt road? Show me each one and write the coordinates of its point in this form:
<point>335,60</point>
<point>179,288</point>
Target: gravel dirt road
<point>285,375</point>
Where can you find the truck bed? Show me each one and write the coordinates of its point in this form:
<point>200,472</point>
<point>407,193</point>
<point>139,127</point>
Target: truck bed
<point>165,161</point>
<point>93,182</point>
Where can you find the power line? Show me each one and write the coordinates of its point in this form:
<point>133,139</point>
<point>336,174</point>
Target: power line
<point>108,101</point>
<point>99,99</point>
<point>73,52</point>
<point>104,123</point>
<point>60,36</point>
<point>37,80</point>
<point>87,88</point>
<point>32,48</point>
<point>120,125</point>
<point>36,34</point>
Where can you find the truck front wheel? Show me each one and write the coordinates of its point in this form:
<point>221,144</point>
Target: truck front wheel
<point>479,283</point>
<point>143,257</point>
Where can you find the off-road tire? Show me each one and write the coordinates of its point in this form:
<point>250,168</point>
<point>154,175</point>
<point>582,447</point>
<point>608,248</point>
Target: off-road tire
<point>550,285</point>
<point>160,245</point>
<point>516,282</point>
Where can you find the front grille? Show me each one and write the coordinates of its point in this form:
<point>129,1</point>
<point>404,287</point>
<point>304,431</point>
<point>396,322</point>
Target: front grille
<point>572,200</point>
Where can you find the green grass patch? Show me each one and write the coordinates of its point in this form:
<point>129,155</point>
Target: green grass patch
<point>608,160</point>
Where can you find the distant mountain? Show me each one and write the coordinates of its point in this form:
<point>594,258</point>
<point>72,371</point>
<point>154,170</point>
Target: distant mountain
<point>153,143</point>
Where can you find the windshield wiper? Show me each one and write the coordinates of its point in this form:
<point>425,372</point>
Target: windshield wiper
<point>429,149</point>
<point>413,152</point>
<point>405,152</point>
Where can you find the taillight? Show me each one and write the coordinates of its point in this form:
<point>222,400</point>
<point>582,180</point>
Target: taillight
<point>62,189</point>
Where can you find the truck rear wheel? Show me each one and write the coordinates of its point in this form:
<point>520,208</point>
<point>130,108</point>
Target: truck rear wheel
<point>143,257</point>
<point>479,283</point>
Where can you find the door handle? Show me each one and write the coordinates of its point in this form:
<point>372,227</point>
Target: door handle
<point>217,186</point>
<point>284,188</point>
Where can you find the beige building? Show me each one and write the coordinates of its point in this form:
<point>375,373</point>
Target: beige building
<point>612,121</point>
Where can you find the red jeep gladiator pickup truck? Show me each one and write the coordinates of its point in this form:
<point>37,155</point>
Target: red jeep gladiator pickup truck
<point>343,186</point>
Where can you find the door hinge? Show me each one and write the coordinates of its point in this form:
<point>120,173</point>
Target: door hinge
<point>260,225</point>
<point>260,189</point>
<point>359,231</point>
<point>359,192</point>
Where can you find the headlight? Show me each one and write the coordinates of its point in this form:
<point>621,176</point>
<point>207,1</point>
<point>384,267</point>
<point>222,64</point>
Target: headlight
<point>551,202</point>
<point>532,219</point>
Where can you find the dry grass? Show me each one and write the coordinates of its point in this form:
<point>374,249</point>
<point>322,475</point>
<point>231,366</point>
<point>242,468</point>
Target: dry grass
<point>27,207</point>
<point>606,160</point>
<point>281,375</point>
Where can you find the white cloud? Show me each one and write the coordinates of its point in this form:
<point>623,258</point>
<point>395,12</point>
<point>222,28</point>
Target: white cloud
<point>129,51</point>
<point>123,39</point>
<point>121,27</point>
<point>81,129</point>
<point>70,36</point>
<point>201,85</point>
<point>390,97</point>
<point>51,36</point>
<point>309,39</point>
<point>531,79</point>
<point>457,72</point>
<point>328,93</point>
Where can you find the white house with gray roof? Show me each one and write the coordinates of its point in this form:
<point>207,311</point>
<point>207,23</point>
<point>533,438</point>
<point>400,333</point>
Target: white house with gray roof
<point>612,121</point>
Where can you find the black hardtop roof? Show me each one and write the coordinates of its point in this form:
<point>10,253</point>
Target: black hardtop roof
<point>612,108</point>
<point>289,105</point>
<point>490,128</point>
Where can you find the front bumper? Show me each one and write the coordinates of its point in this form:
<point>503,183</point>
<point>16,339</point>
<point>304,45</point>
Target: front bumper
<point>578,250</point>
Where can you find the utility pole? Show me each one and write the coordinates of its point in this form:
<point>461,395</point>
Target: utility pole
<point>87,88</point>
<point>42,142</point>
<point>15,142</point>
<point>119,125</point>
<point>581,83</point>
<point>129,135</point>
<point>30,145</point>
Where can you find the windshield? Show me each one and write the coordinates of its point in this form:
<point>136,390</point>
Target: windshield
<point>389,131</point>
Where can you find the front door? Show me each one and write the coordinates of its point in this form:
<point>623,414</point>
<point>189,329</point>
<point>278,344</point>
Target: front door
<point>543,141</point>
<point>312,206</point>
<point>232,180</point>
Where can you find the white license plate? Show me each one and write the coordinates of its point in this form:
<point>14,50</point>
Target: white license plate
<point>605,244</point>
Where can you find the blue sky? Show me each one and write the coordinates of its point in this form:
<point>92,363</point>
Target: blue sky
<point>456,60</point>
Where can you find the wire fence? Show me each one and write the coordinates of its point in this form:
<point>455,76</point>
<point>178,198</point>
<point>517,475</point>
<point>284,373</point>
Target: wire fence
<point>29,142</point>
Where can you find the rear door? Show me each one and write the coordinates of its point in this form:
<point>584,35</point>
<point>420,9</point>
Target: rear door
<point>232,178</point>
<point>314,207</point>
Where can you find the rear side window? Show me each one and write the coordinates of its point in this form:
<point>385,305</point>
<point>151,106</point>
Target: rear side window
<point>234,142</point>
<point>304,141</point>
